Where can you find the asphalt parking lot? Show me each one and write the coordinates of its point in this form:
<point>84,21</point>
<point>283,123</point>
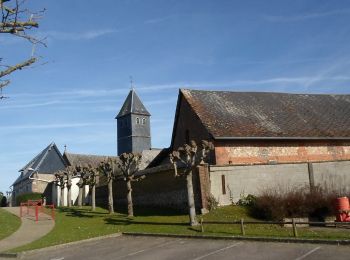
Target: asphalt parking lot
<point>156,248</point>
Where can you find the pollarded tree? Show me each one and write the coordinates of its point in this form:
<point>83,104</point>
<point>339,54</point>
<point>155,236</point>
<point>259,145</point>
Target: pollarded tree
<point>92,175</point>
<point>107,168</point>
<point>18,21</point>
<point>60,180</point>
<point>129,164</point>
<point>69,171</point>
<point>82,172</point>
<point>190,157</point>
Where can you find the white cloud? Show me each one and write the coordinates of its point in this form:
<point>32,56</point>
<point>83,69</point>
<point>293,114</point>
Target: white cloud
<point>50,126</point>
<point>87,35</point>
<point>158,20</point>
<point>306,16</point>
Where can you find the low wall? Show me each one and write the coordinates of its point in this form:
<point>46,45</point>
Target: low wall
<point>229,183</point>
<point>159,189</point>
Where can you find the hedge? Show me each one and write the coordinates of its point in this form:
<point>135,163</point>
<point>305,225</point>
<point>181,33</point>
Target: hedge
<point>28,196</point>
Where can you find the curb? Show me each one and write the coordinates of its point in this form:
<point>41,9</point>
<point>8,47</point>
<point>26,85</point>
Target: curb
<point>8,255</point>
<point>259,239</point>
<point>19,255</point>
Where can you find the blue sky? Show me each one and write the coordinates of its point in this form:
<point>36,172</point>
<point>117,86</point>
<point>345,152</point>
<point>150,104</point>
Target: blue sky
<point>73,93</point>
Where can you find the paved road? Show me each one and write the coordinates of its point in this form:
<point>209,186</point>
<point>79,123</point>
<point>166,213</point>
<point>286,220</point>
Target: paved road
<point>157,248</point>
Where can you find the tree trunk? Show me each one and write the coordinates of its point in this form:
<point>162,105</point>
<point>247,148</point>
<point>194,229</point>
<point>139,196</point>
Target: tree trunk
<point>190,198</point>
<point>62,197</point>
<point>93,201</point>
<point>110,196</point>
<point>80,197</point>
<point>69,196</point>
<point>129,198</point>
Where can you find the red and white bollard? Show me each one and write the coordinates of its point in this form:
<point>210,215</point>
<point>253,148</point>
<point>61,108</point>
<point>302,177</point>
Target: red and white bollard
<point>343,209</point>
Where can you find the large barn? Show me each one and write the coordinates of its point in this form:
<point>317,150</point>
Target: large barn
<point>262,141</point>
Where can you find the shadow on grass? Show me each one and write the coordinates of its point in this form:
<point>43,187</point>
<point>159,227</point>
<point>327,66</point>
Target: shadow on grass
<point>150,211</point>
<point>81,213</point>
<point>129,221</point>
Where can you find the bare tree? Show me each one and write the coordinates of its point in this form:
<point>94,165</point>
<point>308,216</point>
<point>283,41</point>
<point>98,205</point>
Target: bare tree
<point>92,181</point>
<point>107,168</point>
<point>83,173</point>
<point>18,21</point>
<point>129,164</point>
<point>69,171</point>
<point>189,157</point>
<point>60,179</point>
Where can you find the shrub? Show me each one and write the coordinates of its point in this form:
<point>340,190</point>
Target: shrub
<point>28,196</point>
<point>212,203</point>
<point>248,200</point>
<point>298,202</point>
<point>3,202</point>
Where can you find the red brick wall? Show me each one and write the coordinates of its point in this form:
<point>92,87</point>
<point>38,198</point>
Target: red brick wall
<point>255,152</point>
<point>188,120</point>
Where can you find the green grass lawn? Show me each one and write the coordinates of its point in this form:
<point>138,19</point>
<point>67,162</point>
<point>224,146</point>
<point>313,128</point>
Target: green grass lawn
<point>8,223</point>
<point>76,224</point>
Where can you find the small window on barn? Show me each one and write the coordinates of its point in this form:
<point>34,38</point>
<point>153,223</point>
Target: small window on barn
<point>223,183</point>
<point>137,120</point>
<point>143,121</point>
<point>187,136</point>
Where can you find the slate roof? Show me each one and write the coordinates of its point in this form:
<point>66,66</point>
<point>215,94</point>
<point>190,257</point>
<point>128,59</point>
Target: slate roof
<point>94,160</point>
<point>73,159</point>
<point>259,115</point>
<point>132,104</point>
<point>48,160</point>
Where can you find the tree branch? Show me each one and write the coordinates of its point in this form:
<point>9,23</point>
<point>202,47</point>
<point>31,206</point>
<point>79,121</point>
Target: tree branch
<point>17,67</point>
<point>19,24</point>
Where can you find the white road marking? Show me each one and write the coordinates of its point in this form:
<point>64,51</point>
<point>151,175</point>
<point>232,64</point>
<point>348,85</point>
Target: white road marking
<point>57,258</point>
<point>149,248</point>
<point>217,251</point>
<point>308,253</point>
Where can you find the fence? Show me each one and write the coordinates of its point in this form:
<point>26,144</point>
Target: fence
<point>281,223</point>
<point>37,210</point>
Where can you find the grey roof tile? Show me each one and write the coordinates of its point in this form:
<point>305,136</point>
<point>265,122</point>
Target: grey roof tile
<point>228,114</point>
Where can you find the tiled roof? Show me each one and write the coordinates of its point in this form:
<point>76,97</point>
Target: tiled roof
<point>271,115</point>
<point>133,104</point>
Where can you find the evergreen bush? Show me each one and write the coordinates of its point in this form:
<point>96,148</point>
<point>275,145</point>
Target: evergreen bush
<point>28,196</point>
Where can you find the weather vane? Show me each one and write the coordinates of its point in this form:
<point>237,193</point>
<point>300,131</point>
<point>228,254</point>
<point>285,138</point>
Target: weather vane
<point>131,83</point>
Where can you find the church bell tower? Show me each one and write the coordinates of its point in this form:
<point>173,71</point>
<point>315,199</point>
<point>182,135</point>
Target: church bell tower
<point>133,125</point>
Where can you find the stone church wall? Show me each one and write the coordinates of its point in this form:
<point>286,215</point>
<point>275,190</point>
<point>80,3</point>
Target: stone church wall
<point>160,190</point>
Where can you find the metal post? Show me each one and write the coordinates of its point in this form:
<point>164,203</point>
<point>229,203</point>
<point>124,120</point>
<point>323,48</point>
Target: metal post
<point>295,232</point>
<point>53,211</point>
<point>242,227</point>
<point>36,213</point>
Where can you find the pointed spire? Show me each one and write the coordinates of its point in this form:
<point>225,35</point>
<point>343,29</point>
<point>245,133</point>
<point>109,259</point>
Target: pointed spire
<point>133,104</point>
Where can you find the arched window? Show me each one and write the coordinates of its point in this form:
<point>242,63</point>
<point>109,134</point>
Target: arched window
<point>143,121</point>
<point>137,120</point>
